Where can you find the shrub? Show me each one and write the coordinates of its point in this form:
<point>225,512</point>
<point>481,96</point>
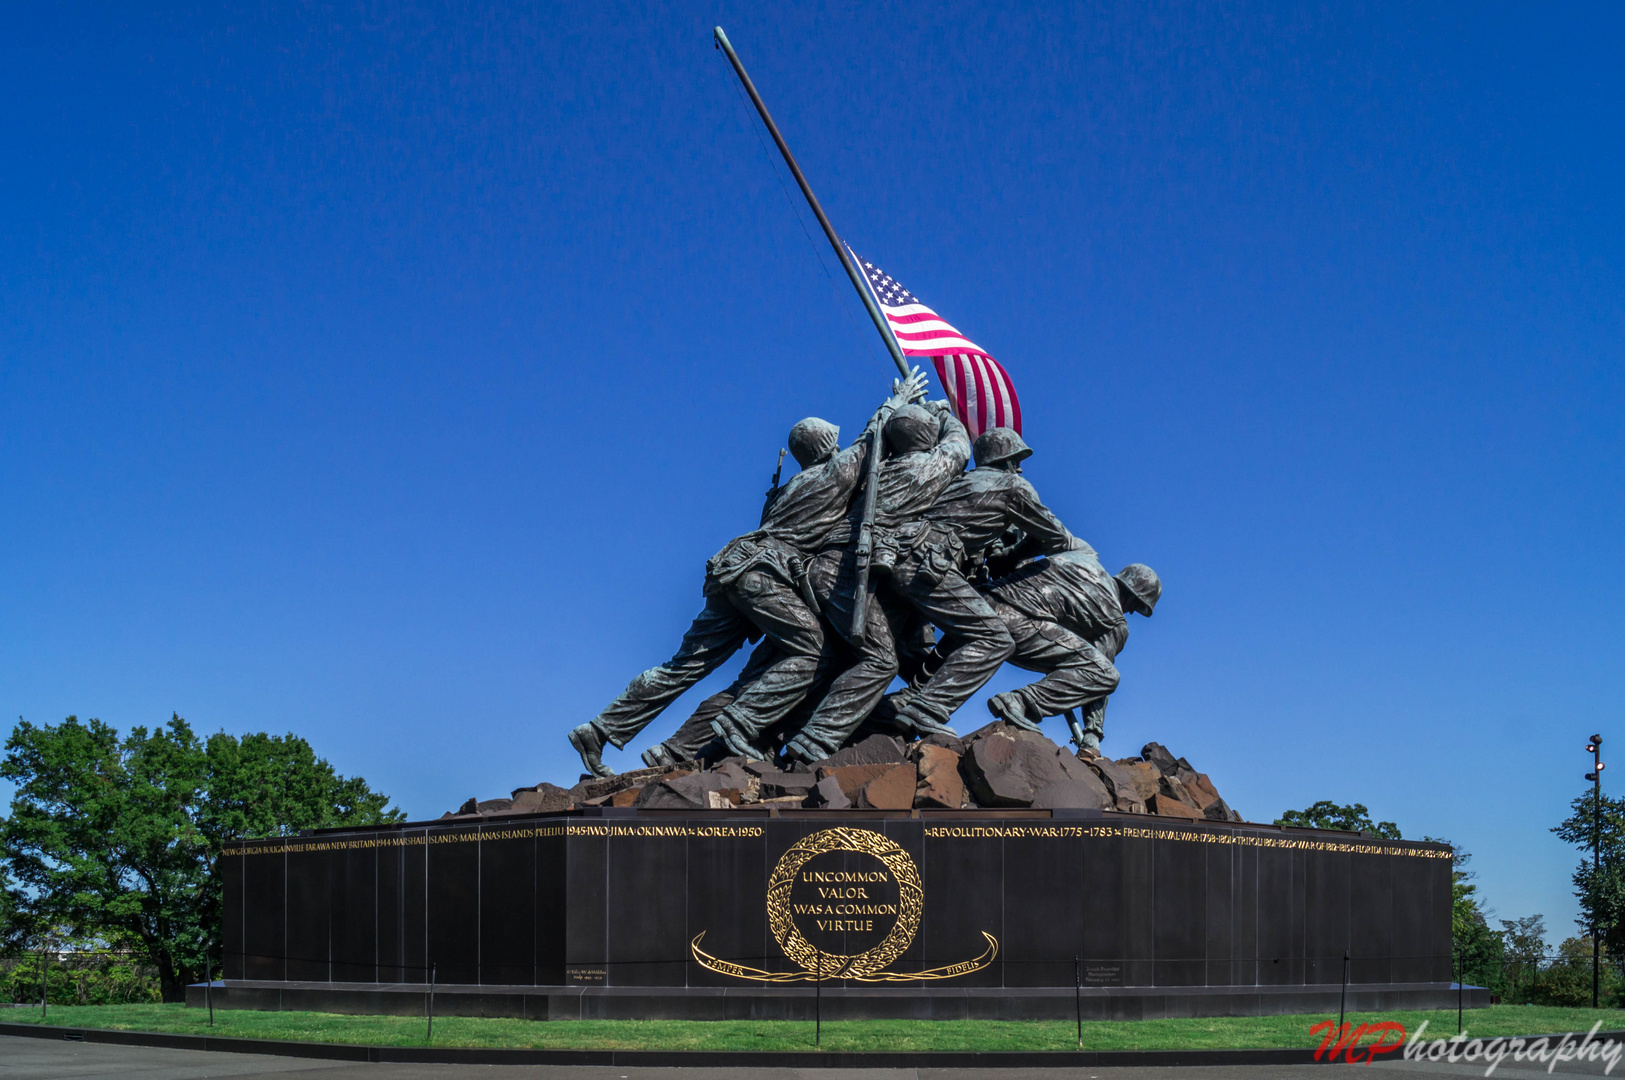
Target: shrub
<point>92,977</point>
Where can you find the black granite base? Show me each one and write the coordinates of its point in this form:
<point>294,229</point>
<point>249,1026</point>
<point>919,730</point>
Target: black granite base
<point>841,1003</point>
<point>897,914</point>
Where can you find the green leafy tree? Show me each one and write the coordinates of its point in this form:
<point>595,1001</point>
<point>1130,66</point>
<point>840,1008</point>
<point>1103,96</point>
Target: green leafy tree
<point>15,932</point>
<point>1329,815</point>
<point>1567,981</point>
<point>119,838</point>
<point>275,785</point>
<point>83,976</point>
<point>1600,888</point>
<point>1524,941</point>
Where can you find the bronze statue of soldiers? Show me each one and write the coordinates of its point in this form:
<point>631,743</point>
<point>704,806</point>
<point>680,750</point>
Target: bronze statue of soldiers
<point>927,447</point>
<point>755,586</point>
<point>1068,619</point>
<point>695,739</point>
<point>930,559</point>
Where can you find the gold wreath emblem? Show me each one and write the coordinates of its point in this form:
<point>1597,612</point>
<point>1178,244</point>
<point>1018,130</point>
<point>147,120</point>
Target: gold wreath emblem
<point>868,966</point>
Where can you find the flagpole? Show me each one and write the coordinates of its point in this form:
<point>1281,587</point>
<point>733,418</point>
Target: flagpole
<point>812,200</point>
<point>865,538</point>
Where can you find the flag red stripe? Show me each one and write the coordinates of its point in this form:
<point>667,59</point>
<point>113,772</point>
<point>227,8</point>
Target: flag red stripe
<point>981,397</point>
<point>1015,402</point>
<point>994,380</point>
<point>928,335</point>
<point>996,388</point>
<point>910,349</point>
<point>940,363</point>
<point>980,389</point>
<point>962,406</point>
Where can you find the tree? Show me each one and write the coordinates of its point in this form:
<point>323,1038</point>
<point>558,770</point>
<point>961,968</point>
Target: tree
<point>14,929</point>
<point>1567,981</point>
<point>1600,889</point>
<point>270,785</point>
<point>1525,948</point>
<point>1329,815</point>
<point>119,839</point>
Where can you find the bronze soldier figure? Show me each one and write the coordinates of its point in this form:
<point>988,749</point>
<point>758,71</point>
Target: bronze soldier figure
<point>755,586</point>
<point>932,556</point>
<point>927,448</point>
<point>694,736</point>
<point>1068,619</point>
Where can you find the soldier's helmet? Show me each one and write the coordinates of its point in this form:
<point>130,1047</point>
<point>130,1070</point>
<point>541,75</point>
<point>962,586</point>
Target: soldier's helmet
<point>911,428</point>
<point>1142,581</point>
<point>999,444</point>
<point>812,440</point>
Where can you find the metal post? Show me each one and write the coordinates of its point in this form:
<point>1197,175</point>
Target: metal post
<point>43,981</point>
<point>1342,1002</point>
<point>818,998</point>
<point>812,200</point>
<point>208,986</point>
<point>431,1002</point>
<point>1461,987</point>
<point>1077,997</point>
<point>1595,776</point>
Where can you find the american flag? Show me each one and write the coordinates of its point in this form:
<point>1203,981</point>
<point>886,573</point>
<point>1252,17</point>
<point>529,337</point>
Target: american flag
<point>982,395</point>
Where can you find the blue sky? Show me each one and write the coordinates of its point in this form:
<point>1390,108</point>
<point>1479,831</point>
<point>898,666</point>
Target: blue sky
<point>387,374</point>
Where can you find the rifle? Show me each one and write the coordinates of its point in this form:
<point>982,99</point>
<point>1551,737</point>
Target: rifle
<point>776,473</point>
<point>773,492</point>
<point>1077,728</point>
<point>866,534</point>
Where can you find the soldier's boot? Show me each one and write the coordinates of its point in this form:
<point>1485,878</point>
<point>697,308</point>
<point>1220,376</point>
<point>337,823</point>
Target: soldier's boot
<point>807,750</point>
<point>883,720</point>
<point>736,740</point>
<point>888,709</point>
<point>659,756</point>
<point>590,745</point>
<point>1011,707</point>
<point>923,722</point>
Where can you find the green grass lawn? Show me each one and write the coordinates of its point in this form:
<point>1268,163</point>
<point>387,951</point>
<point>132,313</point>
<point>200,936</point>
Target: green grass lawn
<point>876,1035</point>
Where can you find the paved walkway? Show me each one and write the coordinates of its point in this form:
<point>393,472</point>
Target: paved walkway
<point>44,1059</point>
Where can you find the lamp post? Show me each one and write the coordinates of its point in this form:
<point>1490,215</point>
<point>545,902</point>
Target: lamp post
<point>1594,748</point>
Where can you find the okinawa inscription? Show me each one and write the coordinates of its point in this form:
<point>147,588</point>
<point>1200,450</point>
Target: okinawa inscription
<point>844,903</point>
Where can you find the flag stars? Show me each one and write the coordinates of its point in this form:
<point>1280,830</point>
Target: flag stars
<point>887,288</point>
